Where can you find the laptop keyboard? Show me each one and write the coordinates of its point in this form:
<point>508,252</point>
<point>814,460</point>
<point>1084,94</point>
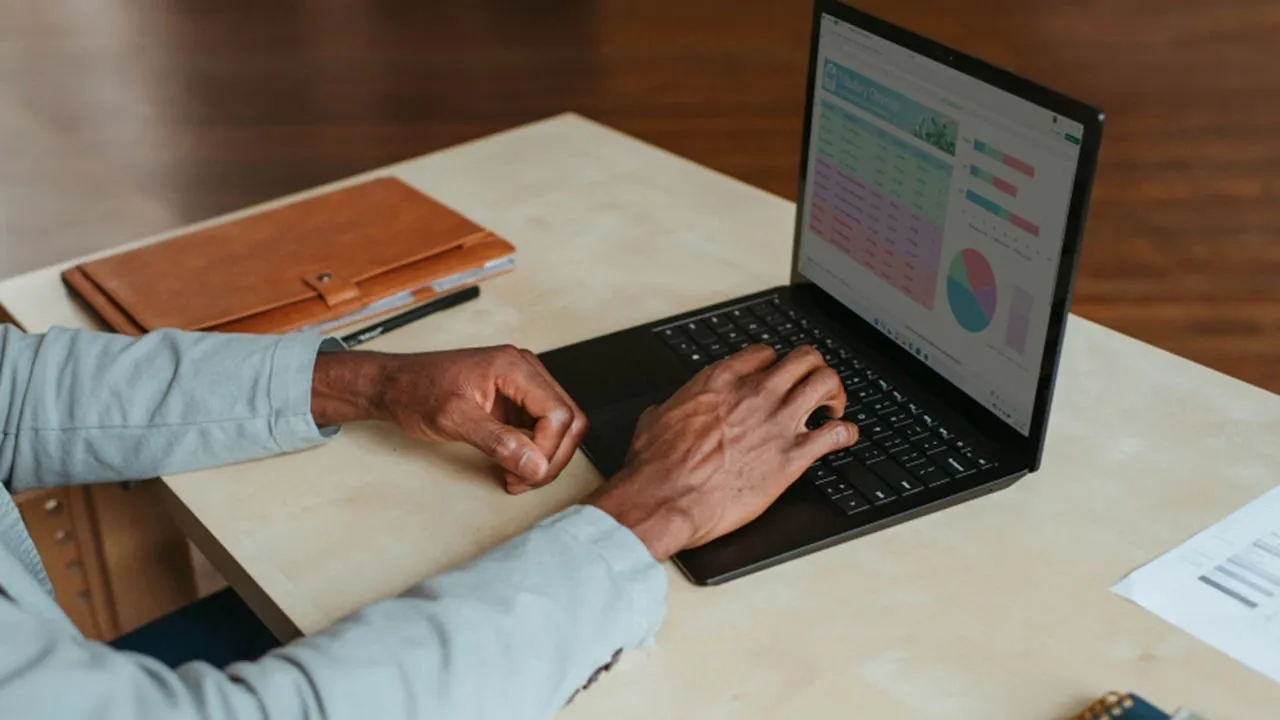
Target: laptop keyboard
<point>901,450</point>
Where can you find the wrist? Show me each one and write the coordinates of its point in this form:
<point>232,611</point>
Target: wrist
<point>659,523</point>
<point>349,387</point>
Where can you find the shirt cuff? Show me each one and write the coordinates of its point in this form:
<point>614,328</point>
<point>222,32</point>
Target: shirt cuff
<point>292,368</point>
<point>642,580</point>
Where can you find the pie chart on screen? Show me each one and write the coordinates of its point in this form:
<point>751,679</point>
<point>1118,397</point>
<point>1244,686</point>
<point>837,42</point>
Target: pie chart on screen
<point>971,290</point>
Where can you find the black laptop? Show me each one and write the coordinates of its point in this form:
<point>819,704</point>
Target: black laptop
<point>941,206</point>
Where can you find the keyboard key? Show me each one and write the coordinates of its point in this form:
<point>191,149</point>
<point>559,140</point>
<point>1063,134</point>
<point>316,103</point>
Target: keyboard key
<point>699,331</point>
<point>838,455</point>
<point>929,473</point>
<point>964,447</point>
<point>982,462</point>
<point>875,428</point>
<point>773,320</point>
<point>869,485</point>
<point>915,431</point>
<point>952,462</point>
<point>732,335</point>
<point>927,420</point>
<point>685,347</point>
<point>780,347</point>
<point>719,323</point>
<point>740,315</point>
<point>836,488</point>
<point>783,326</point>
<point>929,443</point>
<point>898,397</point>
<point>914,408</point>
<point>907,455</point>
<point>716,347</point>
<point>891,442</point>
<point>822,472</point>
<point>899,418</point>
<point>869,454</point>
<point>751,325</point>
<point>859,416</point>
<point>866,393</point>
<point>850,381</point>
<point>742,344</point>
<point>903,482</point>
<point>762,336</point>
<point>944,433</point>
<point>852,502</point>
<point>883,406</point>
<point>671,335</point>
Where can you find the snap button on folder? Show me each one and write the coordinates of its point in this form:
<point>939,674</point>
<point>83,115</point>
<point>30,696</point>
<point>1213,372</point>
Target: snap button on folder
<point>332,289</point>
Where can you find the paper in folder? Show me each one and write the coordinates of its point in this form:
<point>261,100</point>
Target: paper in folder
<point>334,262</point>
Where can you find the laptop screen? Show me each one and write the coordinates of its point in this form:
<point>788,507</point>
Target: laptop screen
<point>935,207</point>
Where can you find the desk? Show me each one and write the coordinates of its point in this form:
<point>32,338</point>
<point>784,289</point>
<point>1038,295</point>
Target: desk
<point>999,608</point>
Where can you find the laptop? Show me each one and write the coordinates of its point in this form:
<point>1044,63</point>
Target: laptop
<point>939,219</point>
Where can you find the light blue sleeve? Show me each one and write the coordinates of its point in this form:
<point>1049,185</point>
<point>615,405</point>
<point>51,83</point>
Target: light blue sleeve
<point>510,636</point>
<point>82,407</point>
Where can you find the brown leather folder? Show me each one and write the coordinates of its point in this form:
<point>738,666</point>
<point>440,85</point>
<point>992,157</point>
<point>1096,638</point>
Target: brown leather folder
<point>306,264</point>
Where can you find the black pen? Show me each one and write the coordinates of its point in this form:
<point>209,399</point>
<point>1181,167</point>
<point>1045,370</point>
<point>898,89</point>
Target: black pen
<point>451,300</point>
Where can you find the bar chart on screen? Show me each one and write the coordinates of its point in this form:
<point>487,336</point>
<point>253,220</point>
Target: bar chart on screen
<point>1015,335</point>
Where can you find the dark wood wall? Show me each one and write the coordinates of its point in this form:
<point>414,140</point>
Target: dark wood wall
<point>124,117</point>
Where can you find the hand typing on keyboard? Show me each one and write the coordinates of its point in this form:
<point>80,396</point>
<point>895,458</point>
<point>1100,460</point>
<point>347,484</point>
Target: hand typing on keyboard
<point>725,446</point>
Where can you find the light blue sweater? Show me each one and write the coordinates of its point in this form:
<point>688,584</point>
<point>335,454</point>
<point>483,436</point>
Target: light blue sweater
<point>512,635</point>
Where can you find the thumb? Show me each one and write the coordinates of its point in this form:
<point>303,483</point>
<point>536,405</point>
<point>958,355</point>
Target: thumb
<point>506,445</point>
<point>828,438</point>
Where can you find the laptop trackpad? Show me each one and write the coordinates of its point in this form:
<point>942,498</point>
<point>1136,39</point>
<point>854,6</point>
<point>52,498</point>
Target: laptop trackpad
<point>612,428</point>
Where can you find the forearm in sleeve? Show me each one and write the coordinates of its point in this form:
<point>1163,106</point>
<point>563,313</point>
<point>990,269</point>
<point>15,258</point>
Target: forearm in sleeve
<point>511,636</point>
<point>78,407</point>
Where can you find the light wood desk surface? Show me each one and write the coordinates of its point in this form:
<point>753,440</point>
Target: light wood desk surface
<point>999,608</point>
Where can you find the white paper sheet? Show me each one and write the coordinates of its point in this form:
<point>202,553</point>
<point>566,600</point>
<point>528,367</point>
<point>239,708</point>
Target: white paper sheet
<point>1223,585</point>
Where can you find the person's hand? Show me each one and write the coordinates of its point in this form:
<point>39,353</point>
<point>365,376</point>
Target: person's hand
<point>724,447</point>
<point>500,400</point>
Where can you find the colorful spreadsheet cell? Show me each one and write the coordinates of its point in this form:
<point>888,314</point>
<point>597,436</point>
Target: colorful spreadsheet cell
<point>881,201</point>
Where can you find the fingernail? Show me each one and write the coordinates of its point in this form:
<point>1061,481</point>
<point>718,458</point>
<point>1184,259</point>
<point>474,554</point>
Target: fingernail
<point>851,433</point>
<point>531,465</point>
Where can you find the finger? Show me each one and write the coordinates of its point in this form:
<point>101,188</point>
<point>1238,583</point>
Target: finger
<point>812,445</point>
<point>793,368</point>
<point>821,388</point>
<point>568,443</point>
<point>553,414</point>
<point>506,445</point>
<point>751,359</point>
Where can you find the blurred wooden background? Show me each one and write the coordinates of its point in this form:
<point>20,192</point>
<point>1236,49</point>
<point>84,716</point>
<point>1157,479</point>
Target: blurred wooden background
<point>119,118</point>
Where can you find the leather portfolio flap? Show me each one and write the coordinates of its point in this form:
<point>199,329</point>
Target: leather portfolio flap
<point>325,252</point>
